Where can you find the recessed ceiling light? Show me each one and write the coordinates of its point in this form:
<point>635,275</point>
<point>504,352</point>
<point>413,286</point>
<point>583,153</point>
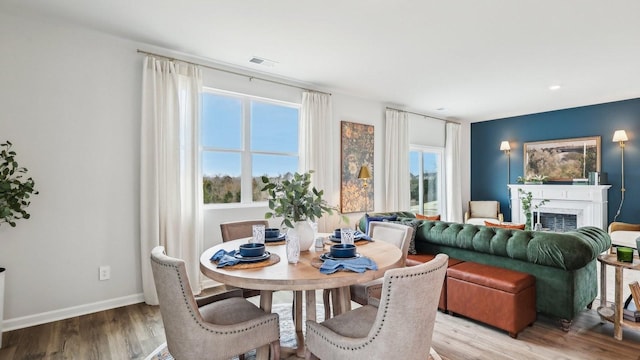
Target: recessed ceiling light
<point>554,87</point>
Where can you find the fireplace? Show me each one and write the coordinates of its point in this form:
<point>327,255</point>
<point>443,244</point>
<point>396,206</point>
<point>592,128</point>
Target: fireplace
<point>567,207</point>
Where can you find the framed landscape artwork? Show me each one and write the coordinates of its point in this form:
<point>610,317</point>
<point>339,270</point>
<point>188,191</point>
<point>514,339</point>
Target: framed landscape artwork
<point>562,160</point>
<point>356,150</point>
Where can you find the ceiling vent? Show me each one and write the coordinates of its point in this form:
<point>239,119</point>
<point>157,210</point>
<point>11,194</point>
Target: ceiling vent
<point>262,61</point>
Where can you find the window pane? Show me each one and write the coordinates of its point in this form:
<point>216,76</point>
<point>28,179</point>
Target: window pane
<point>414,169</point>
<point>274,128</point>
<point>430,183</point>
<point>221,121</point>
<point>221,177</point>
<point>274,167</point>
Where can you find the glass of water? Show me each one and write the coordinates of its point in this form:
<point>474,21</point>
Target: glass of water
<point>346,236</point>
<point>258,234</point>
<point>293,248</point>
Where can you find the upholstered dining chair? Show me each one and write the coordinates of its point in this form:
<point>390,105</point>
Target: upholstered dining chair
<point>483,210</point>
<point>216,330</point>
<point>233,230</point>
<point>399,327</point>
<point>395,234</point>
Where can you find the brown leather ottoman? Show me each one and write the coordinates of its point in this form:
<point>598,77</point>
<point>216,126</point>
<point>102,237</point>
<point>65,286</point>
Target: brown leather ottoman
<point>417,259</point>
<point>500,297</point>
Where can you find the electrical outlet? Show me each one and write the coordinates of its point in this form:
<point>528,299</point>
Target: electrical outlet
<point>105,272</point>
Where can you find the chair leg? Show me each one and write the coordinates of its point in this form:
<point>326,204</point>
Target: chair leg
<point>326,300</point>
<point>275,350</point>
<point>309,356</point>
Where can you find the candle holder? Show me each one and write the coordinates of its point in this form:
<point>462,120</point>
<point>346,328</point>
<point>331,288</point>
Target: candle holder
<point>625,254</point>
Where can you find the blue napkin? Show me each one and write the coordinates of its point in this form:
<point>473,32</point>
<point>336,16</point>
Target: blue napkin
<point>225,258</point>
<point>360,265</point>
<point>359,235</point>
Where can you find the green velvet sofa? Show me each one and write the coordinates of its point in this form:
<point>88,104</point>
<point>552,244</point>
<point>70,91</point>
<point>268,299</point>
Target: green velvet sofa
<point>564,264</point>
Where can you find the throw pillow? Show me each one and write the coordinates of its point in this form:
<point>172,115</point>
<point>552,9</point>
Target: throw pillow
<point>414,224</point>
<point>369,218</point>
<point>427,217</point>
<point>505,226</point>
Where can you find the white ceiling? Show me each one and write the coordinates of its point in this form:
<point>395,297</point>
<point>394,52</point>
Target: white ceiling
<point>479,60</point>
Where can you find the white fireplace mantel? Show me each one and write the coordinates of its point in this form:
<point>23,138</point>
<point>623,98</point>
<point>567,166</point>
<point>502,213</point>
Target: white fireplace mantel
<point>588,202</point>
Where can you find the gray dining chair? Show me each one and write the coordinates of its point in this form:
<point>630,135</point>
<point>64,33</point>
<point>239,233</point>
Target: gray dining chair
<point>217,329</point>
<point>395,234</point>
<point>398,326</point>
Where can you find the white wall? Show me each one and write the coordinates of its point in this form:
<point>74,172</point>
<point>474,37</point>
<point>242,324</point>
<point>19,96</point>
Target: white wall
<point>70,103</point>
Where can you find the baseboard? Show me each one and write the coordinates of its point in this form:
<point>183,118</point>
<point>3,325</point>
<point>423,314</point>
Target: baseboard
<point>49,316</point>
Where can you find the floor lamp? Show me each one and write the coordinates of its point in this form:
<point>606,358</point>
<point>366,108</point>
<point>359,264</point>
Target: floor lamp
<point>620,136</point>
<point>364,175</point>
<point>504,146</point>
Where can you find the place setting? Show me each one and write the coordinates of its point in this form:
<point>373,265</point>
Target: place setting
<point>344,256</point>
<point>358,236</point>
<point>249,255</point>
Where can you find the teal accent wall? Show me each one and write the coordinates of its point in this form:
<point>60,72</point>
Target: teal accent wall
<point>489,164</point>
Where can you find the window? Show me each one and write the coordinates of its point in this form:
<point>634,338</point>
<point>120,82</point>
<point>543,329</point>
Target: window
<point>425,165</point>
<point>243,138</point>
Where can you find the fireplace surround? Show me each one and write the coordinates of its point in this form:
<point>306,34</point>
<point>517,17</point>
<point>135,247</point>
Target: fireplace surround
<point>568,206</point>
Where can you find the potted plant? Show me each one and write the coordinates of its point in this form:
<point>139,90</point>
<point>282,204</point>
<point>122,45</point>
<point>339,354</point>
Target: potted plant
<point>15,194</point>
<point>526,198</point>
<point>532,179</point>
<point>297,203</point>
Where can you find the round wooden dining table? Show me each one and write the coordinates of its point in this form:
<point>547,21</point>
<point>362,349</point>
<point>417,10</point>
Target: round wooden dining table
<point>303,276</point>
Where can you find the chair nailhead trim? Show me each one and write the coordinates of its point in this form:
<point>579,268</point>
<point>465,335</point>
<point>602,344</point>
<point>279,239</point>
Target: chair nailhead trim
<point>386,309</point>
<point>197,319</point>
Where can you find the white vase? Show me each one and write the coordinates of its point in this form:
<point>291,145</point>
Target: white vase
<point>305,234</point>
<point>2,273</point>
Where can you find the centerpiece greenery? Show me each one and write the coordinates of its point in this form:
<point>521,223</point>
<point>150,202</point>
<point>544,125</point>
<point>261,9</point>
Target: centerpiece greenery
<point>15,189</point>
<point>525,198</point>
<point>297,203</point>
<point>295,200</point>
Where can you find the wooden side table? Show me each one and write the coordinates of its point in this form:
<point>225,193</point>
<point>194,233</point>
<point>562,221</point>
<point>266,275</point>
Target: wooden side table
<point>605,310</point>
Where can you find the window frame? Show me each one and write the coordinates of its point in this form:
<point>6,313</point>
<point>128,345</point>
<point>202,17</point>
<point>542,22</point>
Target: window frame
<point>245,151</point>
<point>439,151</point>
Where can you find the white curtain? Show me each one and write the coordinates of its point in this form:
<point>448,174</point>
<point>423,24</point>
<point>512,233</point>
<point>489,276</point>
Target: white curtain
<point>453,182</point>
<point>396,161</point>
<point>316,136</point>
<point>170,185</point>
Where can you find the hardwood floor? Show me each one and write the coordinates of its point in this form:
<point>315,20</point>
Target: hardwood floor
<point>132,332</point>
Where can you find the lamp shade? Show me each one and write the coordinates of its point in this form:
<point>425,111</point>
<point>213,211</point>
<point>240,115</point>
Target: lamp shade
<point>364,173</point>
<point>505,146</point>
<point>620,135</point>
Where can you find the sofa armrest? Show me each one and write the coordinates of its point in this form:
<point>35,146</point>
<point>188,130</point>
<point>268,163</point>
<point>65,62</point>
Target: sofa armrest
<point>467,215</point>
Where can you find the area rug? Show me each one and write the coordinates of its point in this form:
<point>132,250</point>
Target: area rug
<point>287,333</point>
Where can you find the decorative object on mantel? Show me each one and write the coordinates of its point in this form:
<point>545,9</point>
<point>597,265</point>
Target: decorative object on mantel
<point>532,180</point>
<point>15,194</point>
<point>297,203</point>
<point>563,159</point>
<point>620,136</point>
<point>526,199</point>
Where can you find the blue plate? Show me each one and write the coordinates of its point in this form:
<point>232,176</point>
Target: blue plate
<point>246,259</point>
<point>327,256</point>
<point>334,239</point>
<point>274,239</point>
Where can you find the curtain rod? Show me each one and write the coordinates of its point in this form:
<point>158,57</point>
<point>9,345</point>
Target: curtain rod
<point>423,115</point>
<point>230,72</point>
